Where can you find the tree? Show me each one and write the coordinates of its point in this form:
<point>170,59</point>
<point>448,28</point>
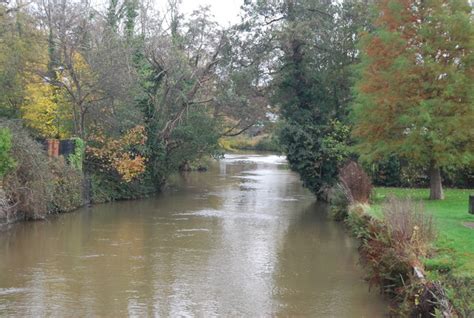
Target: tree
<point>45,110</point>
<point>313,45</point>
<point>19,48</point>
<point>184,82</point>
<point>414,96</point>
<point>69,26</point>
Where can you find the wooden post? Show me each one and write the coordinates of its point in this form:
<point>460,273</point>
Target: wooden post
<point>471,204</point>
<point>50,147</point>
<point>55,148</point>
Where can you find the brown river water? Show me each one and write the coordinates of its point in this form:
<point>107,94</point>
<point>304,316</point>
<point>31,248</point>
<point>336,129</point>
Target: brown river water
<point>241,240</point>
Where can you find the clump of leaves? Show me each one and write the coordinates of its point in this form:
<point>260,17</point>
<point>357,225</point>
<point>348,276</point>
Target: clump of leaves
<point>121,155</point>
<point>76,159</point>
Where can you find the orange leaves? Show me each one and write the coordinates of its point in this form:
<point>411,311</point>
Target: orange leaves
<point>121,154</point>
<point>129,167</point>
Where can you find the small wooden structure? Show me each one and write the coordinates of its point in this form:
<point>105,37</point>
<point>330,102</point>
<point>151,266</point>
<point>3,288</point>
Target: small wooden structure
<point>56,147</point>
<point>53,147</point>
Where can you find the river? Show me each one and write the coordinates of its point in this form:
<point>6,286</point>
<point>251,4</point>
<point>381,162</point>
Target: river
<point>243,239</point>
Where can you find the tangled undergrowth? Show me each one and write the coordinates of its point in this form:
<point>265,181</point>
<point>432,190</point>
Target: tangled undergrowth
<point>36,185</point>
<point>393,249</point>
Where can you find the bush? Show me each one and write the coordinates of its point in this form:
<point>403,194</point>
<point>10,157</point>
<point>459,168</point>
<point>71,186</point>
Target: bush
<point>6,161</point>
<point>410,228</point>
<point>67,187</point>
<point>395,172</point>
<point>392,248</point>
<point>339,202</point>
<point>28,186</point>
<point>37,185</point>
<point>76,159</point>
<point>268,143</point>
<point>356,181</point>
<point>316,151</point>
<point>109,187</point>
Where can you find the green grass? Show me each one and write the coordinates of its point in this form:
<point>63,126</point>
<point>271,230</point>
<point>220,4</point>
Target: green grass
<point>455,242</point>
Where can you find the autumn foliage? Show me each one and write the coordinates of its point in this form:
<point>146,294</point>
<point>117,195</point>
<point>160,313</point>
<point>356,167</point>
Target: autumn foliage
<point>414,89</point>
<point>121,155</point>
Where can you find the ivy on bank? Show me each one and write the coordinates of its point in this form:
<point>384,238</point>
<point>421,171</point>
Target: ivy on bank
<point>76,159</point>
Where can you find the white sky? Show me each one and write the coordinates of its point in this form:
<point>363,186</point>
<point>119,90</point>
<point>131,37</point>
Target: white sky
<point>225,11</point>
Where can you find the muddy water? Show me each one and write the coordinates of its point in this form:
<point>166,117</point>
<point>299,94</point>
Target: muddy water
<point>244,239</point>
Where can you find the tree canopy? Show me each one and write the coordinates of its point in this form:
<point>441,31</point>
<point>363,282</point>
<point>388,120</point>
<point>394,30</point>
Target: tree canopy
<point>414,96</point>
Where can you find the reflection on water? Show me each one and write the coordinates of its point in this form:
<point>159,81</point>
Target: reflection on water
<point>244,239</point>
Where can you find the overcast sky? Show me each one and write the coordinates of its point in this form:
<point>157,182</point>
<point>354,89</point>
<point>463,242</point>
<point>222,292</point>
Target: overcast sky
<point>225,11</point>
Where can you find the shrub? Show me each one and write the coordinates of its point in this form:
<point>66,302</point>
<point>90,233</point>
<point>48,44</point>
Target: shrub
<point>76,159</point>
<point>392,247</point>
<point>110,187</point>
<point>6,207</point>
<point>67,187</point>
<point>360,223</point>
<point>339,202</point>
<point>356,181</point>
<point>316,151</point>
<point>6,161</point>
<point>408,225</point>
<point>268,143</point>
<point>28,186</point>
<point>37,185</point>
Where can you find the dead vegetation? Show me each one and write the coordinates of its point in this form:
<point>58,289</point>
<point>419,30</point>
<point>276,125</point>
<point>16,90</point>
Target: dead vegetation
<point>356,182</point>
<point>37,185</point>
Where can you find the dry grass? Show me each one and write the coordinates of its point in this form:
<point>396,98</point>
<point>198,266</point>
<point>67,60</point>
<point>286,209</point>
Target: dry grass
<point>409,226</point>
<point>38,185</point>
<point>28,186</point>
<point>356,181</point>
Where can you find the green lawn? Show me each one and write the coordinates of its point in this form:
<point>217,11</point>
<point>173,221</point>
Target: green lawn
<point>455,242</point>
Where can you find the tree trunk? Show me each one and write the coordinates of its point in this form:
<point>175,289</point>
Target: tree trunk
<point>436,187</point>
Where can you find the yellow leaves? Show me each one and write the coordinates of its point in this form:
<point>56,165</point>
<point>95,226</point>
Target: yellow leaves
<point>129,167</point>
<point>44,110</point>
<point>82,69</point>
<point>136,135</point>
<point>119,154</point>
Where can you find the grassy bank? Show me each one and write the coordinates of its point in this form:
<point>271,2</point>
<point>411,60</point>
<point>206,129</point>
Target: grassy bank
<point>454,245</point>
<point>262,142</point>
<point>419,252</point>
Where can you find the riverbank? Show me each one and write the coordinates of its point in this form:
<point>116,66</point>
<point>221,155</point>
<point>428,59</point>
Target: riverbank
<point>437,279</point>
<point>263,142</point>
<point>454,245</point>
